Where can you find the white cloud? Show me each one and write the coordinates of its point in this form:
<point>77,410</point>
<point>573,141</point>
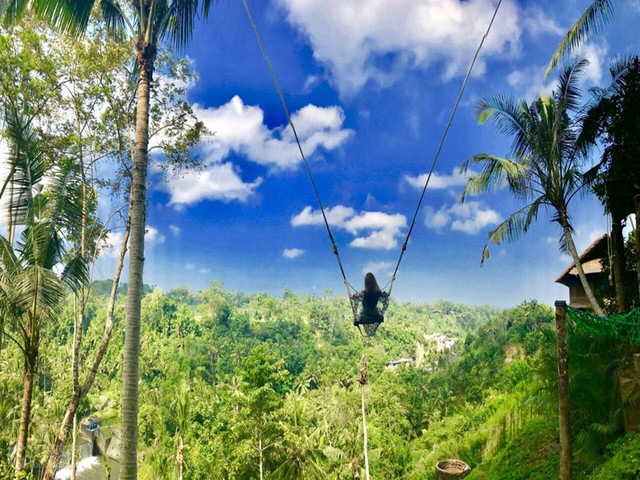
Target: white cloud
<point>112,245</point>
<point>204,271</point>
<point>335,216</point>
<point>377,43</point>
<point>379,269</point>
<point>214,182</point>
<point>311,82</point>
<point>376,230</point>
<point>291,253</point>
<point>189,266</point>
<point>469,217</point>
<point>175,230</point>
<point>538,23</point>
<point>596,54</point>
<point>437,220</point>
<point>595,234</point>
<point>152,236</point>
<point>530,83</point>
<point>439,181</point>
<point>240,129</point>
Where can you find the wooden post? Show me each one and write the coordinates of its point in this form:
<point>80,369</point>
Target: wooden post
<point>564,409</point>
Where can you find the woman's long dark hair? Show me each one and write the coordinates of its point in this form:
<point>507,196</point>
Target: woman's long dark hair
<point>370,284</point>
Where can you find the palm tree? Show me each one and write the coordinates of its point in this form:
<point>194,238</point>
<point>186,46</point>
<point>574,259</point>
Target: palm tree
<point>542,167</point>
<point>595,17</point>
<point>147,23</point>
<point>30,290</point>
<point>77,397</point>
<point>303,451</point>
<point>613,119</point>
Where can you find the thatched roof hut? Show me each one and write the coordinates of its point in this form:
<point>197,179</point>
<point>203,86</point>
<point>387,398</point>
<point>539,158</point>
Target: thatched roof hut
<point>591,260</point>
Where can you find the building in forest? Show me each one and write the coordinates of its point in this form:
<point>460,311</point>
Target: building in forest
<point>591,260</point>
<point>394,364</point>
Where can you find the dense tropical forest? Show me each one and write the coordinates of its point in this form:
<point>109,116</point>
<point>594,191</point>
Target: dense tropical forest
<point>118,379</point>
<point>232,380</point>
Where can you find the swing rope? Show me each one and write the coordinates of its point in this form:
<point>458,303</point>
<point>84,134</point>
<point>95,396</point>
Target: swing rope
<point>433,164</point>
<point>304,158</point>
<point>442,140</point>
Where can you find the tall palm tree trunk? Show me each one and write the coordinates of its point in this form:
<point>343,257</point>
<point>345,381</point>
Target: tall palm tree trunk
<point>181,457</point>
<point>23,432</point>
<point>363,380</point>
<point>583,278</point>
<point>618,260</point>
<point>136,264</point>
<point>74,448</point>
<point>261,455</point>
<point>76,384</point>
<point>72,407</point>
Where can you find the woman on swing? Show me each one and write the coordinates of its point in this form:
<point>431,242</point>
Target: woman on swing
<point>370,296</point>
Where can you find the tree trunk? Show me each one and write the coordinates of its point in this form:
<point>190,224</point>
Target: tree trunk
<point>63,431</point>
<point>260,453</point>
<point>180,457</point>
<point>363,380</point>
<point>23,433</point>
<point>364,433</point>
<point>578,264</point>
<point>618,260</point>
<point>134,288</point>
<point>564,421</point>
<point>77,333</point>
<point>74,448</point>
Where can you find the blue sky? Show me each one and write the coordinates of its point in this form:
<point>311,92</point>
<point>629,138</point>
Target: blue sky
<point>371,90</point>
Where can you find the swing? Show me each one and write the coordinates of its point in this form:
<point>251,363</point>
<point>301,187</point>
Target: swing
<point>368,324</point>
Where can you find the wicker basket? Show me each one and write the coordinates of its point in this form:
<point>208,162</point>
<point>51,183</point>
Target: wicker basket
<point>452,468</point>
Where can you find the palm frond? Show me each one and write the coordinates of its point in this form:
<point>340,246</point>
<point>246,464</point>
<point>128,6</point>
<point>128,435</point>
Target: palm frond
<point>75,274</point>
<point>176,19</point>
<point>38,291</point>
<point>513,227</point>
<point>11,11</point>
<point>619,66</point>
<point>113,17</point>
<point>496,172</point>
<point>68,16</point>
<point>509,116</point>
<point>597,15</point>
<point>27,163</point>
<point>569,84</point>
<point>10,263</point>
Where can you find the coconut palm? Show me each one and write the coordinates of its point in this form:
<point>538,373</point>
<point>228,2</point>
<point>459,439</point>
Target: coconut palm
<point>30,289</point>
<point>595,17</point>
<point>612,119</point>
<point>302,450</point>
<point>543,166</point>
<point>147,23</point>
